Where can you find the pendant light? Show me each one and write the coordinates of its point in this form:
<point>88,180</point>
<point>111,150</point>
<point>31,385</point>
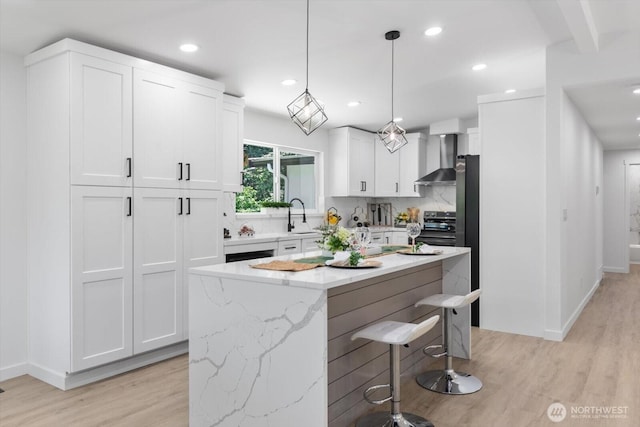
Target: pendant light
<point>305,111</point>
<point>392,135</point>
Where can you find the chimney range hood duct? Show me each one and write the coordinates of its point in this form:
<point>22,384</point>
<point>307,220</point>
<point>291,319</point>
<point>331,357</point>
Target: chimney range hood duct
<point>447,173</point>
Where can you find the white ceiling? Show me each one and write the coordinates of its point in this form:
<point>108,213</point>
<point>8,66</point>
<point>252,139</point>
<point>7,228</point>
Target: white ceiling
<point>252,45</point>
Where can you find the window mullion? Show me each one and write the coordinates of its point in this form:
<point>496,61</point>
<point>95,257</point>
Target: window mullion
<point>276,173</point>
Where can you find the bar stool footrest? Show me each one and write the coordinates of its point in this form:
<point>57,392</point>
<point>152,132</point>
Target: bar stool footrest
<point>374,388</point>
<point>433,347</point>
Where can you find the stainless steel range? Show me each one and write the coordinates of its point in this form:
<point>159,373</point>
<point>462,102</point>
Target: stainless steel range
<point>438,229</point>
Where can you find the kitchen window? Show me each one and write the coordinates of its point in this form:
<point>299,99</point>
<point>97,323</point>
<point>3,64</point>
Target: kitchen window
<point>279,173</point>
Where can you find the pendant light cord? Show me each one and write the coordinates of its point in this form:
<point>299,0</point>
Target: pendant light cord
<point>393,42</point>
<point>307,86</point>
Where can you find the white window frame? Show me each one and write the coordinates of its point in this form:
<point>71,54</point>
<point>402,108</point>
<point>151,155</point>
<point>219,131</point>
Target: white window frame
<point>317,173</point>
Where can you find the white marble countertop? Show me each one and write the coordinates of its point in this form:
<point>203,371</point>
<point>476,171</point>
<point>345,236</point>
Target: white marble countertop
<point>274,237</point>
<point>321,277</point>
<point>267,237</point>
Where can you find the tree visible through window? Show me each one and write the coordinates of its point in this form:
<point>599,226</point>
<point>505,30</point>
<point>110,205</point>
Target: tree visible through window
<point>272,173</point>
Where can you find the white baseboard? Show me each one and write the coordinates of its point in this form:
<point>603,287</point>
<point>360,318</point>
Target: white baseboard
<point>576,313</point>
<point>553,335</point>
<point>13,371</point>
<point>65,381</point>
<point>615,269</point>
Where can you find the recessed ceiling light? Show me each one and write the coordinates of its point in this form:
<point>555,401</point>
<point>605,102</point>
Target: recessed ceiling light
<point>479,67</point>
<point>188,47</point>
<point>433,31</point>
<point>397,119</point>
<point>289,82</point>
<point>353,103</point>
<point>510,91</point>
<point>637,91</point>
<point>638,118</point>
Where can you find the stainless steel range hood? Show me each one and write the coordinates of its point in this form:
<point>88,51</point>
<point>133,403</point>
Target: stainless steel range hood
<point>447,173</point>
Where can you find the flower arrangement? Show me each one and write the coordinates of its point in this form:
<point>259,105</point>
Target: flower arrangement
<point>335,238</point>
<point>402,217</point>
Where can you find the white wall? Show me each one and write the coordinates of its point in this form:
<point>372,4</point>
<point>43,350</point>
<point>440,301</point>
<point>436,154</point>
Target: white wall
<point>13,228</point>
<point>616,248</point>
<point>512,201</point>
<point>618,58</point>
<point>582,231</point>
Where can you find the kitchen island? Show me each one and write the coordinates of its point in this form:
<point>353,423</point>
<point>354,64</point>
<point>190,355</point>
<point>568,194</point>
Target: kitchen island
<point>273,348</point>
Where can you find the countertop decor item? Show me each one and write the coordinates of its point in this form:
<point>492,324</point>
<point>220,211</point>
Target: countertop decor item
<point>279,265</point>
<point>332,216</point>
<point>246,230</point>
<point>337,239</point>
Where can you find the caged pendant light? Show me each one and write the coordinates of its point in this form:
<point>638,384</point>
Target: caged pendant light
<point>392,135</point>
<point>305,111</point>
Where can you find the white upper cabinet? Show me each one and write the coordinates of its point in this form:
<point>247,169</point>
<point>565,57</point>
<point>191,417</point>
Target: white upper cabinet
<point>351,162</point>
<point>395,173</point>
<point>176,133</point>
<point>387,171</point>
<point>201,131</point>
<point>157,131</point>
<point>232,143</point>
<point>100,122</point>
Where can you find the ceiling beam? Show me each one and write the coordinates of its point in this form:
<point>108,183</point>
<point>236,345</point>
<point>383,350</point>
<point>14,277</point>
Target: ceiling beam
<point>580,21</point>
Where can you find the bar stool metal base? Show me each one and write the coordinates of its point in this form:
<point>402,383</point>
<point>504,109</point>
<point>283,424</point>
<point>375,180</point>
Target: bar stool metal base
<point>449,382</point>
<point>385,419</point>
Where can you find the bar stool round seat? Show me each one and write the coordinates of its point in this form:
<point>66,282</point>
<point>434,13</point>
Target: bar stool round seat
<point>395,334</point>
<point>448,381</point>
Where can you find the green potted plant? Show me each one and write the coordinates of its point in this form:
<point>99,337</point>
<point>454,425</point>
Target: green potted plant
<point>271,207</point>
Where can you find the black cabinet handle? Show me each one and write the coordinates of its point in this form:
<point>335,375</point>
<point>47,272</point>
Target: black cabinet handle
<point>365,185</point>
<point>129,206</point>
<point>128,167</point>
<point>396,187</point>
<point>188,171</point>
<point>180,171</point>
<point>180,211</point>
<point>188,205</point>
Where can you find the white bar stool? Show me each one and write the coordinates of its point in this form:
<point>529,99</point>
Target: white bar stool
<point>395,334</point>
<point>448,381</point>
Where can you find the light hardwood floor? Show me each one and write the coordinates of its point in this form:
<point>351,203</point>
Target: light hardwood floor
<point>598,364</point>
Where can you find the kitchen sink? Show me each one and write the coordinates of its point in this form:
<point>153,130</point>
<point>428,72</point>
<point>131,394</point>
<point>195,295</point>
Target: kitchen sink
<point>304,232</point>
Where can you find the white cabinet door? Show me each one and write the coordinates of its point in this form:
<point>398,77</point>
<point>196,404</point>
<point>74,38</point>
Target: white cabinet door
<point>396,173</point>
<point>232,143</point>
<point>158,268</point>
<point>201,131</point>
<point>387,167</point>
<point>287,247</point>
<point>398,237</point>
<point>310,244</point>
<point>101,111</point>
<point>101,275</point>
<point>377,237</point>
<point>157,131</point>
<point>202,236</point>
<point>361,163</point>
<point>412,165</point>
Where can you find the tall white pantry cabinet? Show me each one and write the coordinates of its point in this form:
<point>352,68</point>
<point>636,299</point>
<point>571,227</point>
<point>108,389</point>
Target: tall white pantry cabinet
<point>124,195</point>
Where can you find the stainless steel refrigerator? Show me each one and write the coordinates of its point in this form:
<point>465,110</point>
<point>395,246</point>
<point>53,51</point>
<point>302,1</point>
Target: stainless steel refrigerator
<point>467,219</point>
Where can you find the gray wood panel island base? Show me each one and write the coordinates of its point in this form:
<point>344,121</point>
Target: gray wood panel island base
<point>273,348</point>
